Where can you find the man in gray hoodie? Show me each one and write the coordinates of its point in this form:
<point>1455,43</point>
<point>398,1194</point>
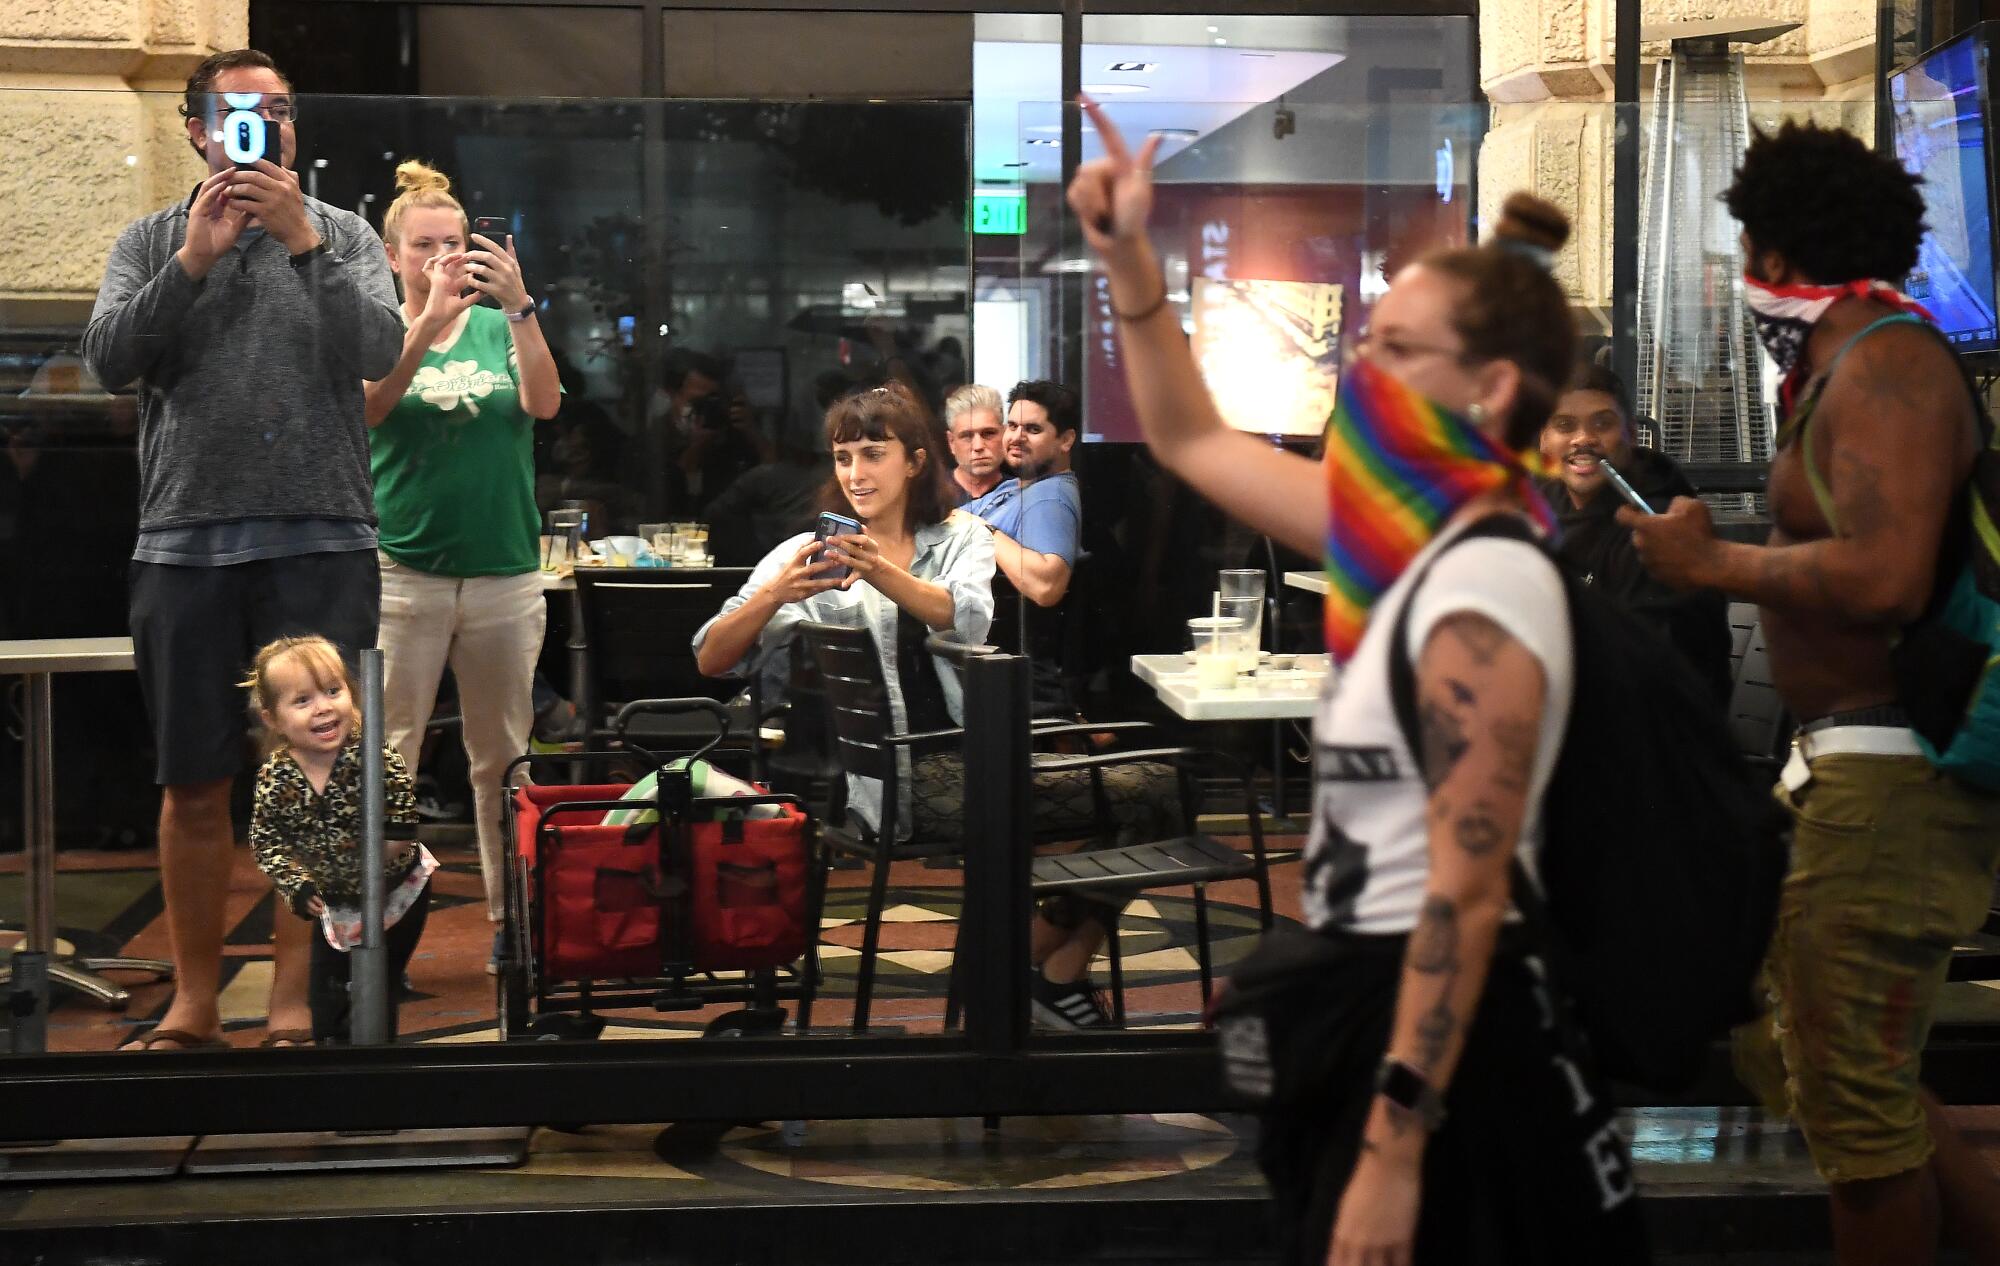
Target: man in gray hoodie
<point>249,314</point>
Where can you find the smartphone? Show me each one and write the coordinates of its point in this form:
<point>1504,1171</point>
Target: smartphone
<point>831,524</point>
<point>238,135</point>
<point>494,229</point>
<point>1625,490</point>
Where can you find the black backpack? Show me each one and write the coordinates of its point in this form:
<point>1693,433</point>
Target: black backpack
<point>1661,857</point>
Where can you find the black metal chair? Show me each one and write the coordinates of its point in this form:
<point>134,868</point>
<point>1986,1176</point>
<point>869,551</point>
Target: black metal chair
<point>866,744</point>
<point>638,630</point>
<point>1758,720</point>
<point>801,762</point>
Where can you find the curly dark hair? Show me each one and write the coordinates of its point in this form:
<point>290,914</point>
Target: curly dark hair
<point>1591,376</point>
<point>1835,209</point>
<point>1057,400</point>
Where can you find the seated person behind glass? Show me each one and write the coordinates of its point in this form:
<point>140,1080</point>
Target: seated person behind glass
<point>723,444</point>
<point>1591,427</point>
<point>586,459</point>
<point>306,821</point>
<point>1037,516</point>
<point>917,566</point>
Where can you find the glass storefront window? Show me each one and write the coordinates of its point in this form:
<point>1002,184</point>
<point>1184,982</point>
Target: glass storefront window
<point>706,272</point>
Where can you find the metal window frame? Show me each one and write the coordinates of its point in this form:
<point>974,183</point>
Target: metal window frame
<point>994,1067</point>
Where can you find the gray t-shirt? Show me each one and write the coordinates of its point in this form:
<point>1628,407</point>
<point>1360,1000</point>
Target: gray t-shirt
<point>250,380</point>
<point>249,540</point>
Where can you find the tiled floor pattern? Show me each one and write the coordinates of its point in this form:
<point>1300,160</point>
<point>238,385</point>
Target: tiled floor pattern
<point>110,903</point>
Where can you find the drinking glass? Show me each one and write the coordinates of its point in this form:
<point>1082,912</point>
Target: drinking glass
<point>654,534</point>
<point>564,538</point>
<point>1241,582</point>
<point>1216,656</point>
<point>1248,612</point>
<point>1245,582</point>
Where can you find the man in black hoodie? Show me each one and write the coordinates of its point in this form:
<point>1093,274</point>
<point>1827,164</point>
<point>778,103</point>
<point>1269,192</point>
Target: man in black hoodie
<point>1592,426</point>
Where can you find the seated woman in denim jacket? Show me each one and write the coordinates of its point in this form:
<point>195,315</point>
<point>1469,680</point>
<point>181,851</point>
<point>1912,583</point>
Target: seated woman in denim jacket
<point>919,566</point>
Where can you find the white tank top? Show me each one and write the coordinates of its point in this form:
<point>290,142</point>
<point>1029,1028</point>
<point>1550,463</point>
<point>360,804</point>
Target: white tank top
<point>1368,857</point>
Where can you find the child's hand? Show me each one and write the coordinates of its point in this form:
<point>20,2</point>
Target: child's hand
<point>393,849</point>
<point>317,907</point>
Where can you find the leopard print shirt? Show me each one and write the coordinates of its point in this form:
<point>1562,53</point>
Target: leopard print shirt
<point>307,841</point>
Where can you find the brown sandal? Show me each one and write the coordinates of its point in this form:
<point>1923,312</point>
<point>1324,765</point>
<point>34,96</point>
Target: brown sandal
<point>287,1039</point>
<point>174,1040</point>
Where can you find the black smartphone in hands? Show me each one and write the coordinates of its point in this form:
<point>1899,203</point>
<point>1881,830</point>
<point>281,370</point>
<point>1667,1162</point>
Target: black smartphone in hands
<point>830,525</point>
<point>494,229</point>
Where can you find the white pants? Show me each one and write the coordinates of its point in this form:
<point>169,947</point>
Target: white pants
<point>489,629</point>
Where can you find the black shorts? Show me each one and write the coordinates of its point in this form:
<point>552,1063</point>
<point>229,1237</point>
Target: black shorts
<point>196,629</point>
<point>1528,1167</point>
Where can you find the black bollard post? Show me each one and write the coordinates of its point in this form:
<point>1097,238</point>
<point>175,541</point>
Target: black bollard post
<point>993,931</point>
<point>368,987</point>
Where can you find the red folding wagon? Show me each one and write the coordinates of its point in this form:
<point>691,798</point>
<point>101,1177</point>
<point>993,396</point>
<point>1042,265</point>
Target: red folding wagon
<point>680,902</point>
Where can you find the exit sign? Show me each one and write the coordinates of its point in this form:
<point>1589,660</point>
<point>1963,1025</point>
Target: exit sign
<point>1001,213</point>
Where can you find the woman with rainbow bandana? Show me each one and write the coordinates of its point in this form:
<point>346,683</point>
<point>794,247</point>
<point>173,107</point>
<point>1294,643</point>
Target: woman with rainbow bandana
<point>1445,1122</point>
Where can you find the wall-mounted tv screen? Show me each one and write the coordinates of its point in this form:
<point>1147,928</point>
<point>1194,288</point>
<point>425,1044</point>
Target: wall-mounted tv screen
<point>1941,125</point>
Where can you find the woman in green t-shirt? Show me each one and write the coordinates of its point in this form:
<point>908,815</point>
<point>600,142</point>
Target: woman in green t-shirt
<point>452,434</point>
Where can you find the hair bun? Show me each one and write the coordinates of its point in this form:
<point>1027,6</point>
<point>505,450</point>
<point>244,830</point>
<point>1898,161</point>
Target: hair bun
<point>1531,222</point>
<point>414,176</point>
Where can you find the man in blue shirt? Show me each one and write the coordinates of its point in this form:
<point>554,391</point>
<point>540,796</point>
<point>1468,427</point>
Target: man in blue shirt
<point>1037,516</point>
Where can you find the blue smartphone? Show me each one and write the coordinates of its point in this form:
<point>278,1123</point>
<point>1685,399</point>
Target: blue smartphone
<point>830,525</point>
<point>1625,490</point>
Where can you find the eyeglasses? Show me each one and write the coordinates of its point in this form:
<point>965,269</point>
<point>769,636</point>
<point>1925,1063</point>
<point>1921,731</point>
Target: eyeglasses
<point>1389,350</point>
<point>270,109</point>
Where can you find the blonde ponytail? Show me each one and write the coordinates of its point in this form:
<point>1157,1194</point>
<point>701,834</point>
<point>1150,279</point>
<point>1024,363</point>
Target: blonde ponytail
<point>418,184</point>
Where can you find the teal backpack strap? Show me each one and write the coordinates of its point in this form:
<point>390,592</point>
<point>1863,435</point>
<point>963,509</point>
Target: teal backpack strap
<point>1823,495</point>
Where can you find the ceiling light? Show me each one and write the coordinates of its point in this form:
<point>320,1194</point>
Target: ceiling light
<point>1175,133</point>
<point>1220,40</point>
<point>1132,68</point>
<point>1213,29</point>
<point>1105,90</point>
<point>1049,141</point>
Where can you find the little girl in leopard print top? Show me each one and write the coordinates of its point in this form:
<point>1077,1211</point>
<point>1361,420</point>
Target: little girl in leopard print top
<point>306,825</point>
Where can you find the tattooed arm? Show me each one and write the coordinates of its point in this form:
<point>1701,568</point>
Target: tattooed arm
<point>1479,696</point>
<point>1892,441</point>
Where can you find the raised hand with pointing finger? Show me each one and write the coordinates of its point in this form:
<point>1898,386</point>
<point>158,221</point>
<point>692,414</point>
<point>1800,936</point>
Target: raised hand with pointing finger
<point>1113,195</point>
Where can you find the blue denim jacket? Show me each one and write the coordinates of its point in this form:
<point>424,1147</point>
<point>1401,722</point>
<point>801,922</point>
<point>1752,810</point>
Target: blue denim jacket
<point>957,554</point>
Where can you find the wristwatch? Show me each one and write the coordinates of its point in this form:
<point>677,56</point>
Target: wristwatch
<point>311,253</point>
<point>524,313</point>
<point>1411,1091</point>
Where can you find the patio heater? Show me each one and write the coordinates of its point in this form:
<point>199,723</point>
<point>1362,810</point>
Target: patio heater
<point>1699,376</point>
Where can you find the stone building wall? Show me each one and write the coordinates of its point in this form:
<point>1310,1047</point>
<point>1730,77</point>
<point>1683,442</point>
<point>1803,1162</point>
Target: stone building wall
<point>1546,66</point>
<point>88,90</point>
